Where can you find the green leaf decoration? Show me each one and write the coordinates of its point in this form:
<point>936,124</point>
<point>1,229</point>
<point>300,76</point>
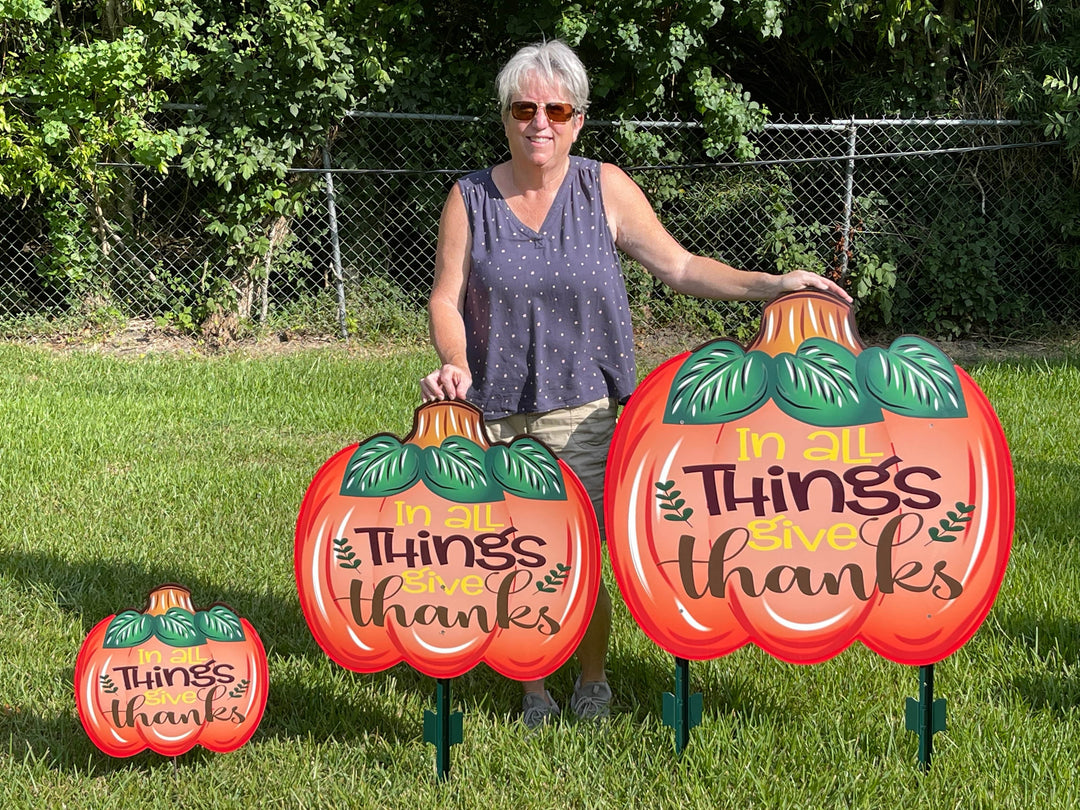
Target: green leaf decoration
<point>219,624</point>
<point>954,524</point>
<point>818,385</point>
<point>912,378</point>
<point>380,467</point>
<point>345,555</point>
<point>456,471</point>
<point>555,577</point>
<point>128,629</point>
<point>176,627</point>
<point>718,383</point>
<point>672,502</point>
<point>526,468</point>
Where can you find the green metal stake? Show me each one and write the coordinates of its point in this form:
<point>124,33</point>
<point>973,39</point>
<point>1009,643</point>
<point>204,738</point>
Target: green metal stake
<point>682,710</point>
<point>442,728</point>
<point>926,716</point>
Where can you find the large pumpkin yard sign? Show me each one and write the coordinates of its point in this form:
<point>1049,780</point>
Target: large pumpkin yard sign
<point>443,551</point>
<point>807,492</point>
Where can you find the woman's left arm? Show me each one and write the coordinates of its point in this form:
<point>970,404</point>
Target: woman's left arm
<point>639,234</point>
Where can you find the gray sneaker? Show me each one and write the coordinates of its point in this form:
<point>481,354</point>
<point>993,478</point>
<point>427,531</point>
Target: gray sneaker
<point>591,701</point>
<point>538,709</point>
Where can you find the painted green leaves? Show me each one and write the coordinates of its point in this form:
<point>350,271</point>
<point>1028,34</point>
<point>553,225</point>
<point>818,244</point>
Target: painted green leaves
<point>822,383</point>
<point>176,627</point>
<point>526,467</point>
<point>913,378</point>
<point>459,470</point>
<point>818,385</point>
<point>383,463</point>
<point>720,382</point>
<point>456,471</point>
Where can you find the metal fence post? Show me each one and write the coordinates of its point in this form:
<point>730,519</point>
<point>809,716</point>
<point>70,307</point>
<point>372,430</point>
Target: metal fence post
<point>849,184</point>
<point>335,242</point>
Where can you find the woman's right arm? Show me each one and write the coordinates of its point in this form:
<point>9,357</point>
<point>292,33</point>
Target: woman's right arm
<point>447,302</point>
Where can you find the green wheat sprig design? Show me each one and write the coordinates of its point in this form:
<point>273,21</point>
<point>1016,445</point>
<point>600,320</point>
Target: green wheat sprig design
<point>345,555</point>
<point>954,523</point>
<point>672,502</point>
<point>555,577</point>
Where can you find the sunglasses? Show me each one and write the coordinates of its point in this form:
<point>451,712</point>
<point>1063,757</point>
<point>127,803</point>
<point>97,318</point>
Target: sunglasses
<point>558,112</point>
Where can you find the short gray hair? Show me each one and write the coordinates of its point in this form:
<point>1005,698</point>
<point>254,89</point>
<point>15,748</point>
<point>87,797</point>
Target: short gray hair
<point>551,60</point>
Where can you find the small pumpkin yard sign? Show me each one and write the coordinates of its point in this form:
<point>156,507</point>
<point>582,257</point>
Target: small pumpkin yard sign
<point>444,551</point>
<point>170,677</point>
<point>807,492</point>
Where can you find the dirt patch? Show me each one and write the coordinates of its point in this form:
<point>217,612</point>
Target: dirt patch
<point>142,337</point>
<point>657,347</point>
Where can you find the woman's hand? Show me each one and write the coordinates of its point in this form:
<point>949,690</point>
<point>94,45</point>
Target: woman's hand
<point>448,382</point>
<point>805,280</point>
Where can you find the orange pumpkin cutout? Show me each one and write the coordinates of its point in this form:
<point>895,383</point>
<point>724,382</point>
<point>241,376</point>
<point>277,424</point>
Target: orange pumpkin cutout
<point>807,492</point>
<point>170,677</point>
<point>443,551</point>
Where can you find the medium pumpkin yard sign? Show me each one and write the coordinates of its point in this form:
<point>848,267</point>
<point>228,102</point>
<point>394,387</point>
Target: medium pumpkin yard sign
<point>807,492</point>
<point>170,677</point>
<point>444,551</point>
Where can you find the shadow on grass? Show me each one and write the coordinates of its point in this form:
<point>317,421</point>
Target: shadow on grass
<point>309,696</point>
<point>94,589</point>
<point>60,744</point>
<point>1053,682</point>
<point>640,681</point>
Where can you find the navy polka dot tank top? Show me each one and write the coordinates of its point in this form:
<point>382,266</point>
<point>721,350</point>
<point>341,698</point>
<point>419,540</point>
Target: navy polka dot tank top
<point>547,321</point>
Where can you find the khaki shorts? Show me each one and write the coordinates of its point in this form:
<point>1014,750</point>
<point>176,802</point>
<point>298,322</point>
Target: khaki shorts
<point>580,436</point>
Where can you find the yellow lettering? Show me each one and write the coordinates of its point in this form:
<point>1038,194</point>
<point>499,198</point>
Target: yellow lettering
<point>754,443</point>
<point>490,525</point>
<point>187,655</point>
<point>413,581</point>
<point>472,585</point>
<point>811,545</point>
<point>837,448</point>
<point>406,514</point>
<point>779,532</point>
<point>162,697</point>
<point>447,589</point>
<point>829,452</point>
<point>758,533</point>
<point>862,457</point>
<point>841,532</point>
<point>464,519</point>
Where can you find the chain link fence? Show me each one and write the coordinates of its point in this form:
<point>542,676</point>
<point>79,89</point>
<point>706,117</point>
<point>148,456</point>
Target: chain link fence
<point>944,228</point>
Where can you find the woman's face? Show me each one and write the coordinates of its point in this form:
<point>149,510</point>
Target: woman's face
<point>540,142</point>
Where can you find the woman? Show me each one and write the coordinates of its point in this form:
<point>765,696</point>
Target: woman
<point>528,310</point>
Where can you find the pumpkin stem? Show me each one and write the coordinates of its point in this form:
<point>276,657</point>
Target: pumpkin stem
<point>434,421</point>
<point>169,596</point>
<point>793,318</point>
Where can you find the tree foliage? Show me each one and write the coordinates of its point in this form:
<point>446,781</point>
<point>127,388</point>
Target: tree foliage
<point>86,87</point>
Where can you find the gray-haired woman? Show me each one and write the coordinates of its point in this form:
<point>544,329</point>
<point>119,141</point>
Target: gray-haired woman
<point>528,310</point>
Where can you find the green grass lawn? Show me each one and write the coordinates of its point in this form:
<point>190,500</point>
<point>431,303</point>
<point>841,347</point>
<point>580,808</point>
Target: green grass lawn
<point>121,474</point>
